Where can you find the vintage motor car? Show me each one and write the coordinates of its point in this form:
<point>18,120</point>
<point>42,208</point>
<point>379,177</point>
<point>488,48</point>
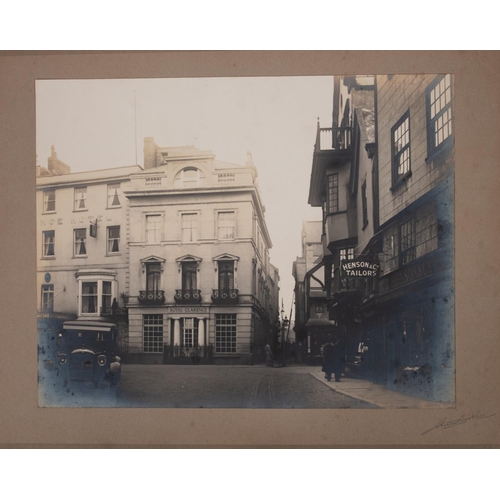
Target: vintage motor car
<point>86,354</point>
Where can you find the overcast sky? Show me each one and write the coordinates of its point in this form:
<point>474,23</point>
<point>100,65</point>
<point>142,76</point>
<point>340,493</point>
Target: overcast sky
<point>91,125</point>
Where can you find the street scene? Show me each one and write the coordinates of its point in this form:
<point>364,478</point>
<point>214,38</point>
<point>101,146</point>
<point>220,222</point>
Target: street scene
<point>189,257</point>
<point>228,387</point>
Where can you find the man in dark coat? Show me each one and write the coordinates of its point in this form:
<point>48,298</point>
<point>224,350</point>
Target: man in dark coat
<point>328,360</point>
<point>333,359</point>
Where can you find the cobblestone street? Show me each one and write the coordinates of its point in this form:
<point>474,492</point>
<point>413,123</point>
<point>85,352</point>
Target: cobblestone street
<point>168,386</point>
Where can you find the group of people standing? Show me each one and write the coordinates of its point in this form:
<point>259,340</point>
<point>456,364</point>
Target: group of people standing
<point>333,357</point>
<point>293,352</point>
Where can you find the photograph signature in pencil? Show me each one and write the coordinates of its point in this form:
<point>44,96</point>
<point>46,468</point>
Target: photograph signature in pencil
<point>444,423</point>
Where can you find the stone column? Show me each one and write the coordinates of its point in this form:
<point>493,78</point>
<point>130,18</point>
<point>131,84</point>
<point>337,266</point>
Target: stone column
<point>201,332</point>
<point>177,332</point>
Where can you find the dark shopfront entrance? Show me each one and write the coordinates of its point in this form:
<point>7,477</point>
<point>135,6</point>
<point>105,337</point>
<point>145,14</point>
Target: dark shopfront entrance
<point>413,333</point>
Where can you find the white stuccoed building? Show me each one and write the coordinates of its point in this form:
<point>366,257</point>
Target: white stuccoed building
<point>176,252</point>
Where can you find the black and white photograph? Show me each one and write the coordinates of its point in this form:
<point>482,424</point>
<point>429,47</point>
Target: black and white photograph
<point>264,242</point>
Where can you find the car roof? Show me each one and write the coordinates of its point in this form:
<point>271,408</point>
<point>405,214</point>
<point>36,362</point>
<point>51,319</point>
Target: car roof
<point>88,325</point>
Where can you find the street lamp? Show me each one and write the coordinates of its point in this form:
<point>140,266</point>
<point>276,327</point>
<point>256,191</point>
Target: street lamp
<point>284,325</point>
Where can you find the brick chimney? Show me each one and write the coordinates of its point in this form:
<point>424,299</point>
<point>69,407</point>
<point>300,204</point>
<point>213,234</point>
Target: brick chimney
<point>55,166</point>
<point>51,160</point>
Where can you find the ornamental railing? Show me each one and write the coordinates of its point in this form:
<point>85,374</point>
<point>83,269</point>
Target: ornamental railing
<point>113,311</point>
<point>225,296</point>
<point>187,296</point>
<point>151,297</point>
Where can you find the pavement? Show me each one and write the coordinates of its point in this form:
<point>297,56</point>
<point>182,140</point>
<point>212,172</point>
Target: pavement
<point>375,394</point>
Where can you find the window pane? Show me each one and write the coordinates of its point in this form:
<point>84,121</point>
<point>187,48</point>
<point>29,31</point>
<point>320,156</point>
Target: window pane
<point>153,274</point>
<point>48,243</point>
<point>113,195</point>
<point>80,236</point>
<point>153,228</point>
<point>153,333</point>
<point>113,239</point>
<point>50,201</point>
<point>80,198</point>
<point>225,333</point>
<point>189,228</point>
<point>333,194</point>
<point>225,223</point>
<point>89,297</point>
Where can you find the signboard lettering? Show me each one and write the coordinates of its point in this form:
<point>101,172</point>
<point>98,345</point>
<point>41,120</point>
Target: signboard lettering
<point>413,273</point>
<point>75,220</point>
<point>359,268</point>
<point>188,310</point>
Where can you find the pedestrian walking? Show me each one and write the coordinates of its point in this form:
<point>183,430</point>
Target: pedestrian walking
<point>269,355</point>
<point>328,360</point>
<point>333,359</point>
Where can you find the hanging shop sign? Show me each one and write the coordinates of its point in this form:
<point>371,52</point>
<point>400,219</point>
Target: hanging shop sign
<point>359,268</point>
<point>93,229</point>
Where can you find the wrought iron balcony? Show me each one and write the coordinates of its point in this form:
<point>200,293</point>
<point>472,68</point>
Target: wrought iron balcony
<point>116,311</point>
<point>151,297</point>
<point>188,296</point>
<point>225,296</point>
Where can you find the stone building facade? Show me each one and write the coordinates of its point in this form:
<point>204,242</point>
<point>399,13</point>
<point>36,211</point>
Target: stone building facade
<point>176,253</point>
<point>201,283</point>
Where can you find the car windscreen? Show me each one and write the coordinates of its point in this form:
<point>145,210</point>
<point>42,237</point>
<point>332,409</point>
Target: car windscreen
<point>88,338</point>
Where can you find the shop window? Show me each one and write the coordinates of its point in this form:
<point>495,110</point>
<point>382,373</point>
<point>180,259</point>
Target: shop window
<point>48,244</point>
<point>153,332</point>
<point>408,241</point>
<point>401,168</point>
<point>113,239</point>
<point>225,333</point>
<point>47,298</point>
<point>189,224</point>
<point>79,241</point>
<point>80,199</point>
<point>332,201</point>
<point>189,271</point>
<point>114,195</point>
<point>391,249</point>
<point>426,224</point>
<point>153,228</point>
<point>225,225</point>
<point>400,245</point>
<point>439,115</point>
<point>49,201</point>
